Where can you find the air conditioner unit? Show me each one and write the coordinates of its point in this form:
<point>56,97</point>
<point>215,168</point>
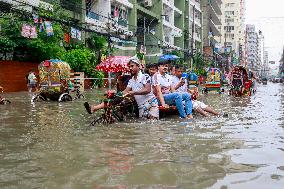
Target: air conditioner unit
<point>148,3</point>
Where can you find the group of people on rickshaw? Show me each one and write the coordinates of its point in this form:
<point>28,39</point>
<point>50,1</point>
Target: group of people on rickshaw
<point>242,81</point>
<point>158,90</point>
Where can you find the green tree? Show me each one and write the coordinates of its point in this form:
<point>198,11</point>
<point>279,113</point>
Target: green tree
<point>83,60</point>
<point>41,48</point>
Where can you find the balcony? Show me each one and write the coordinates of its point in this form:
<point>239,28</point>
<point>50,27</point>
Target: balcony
<point>96,20</point>
<point>171,4</point>
<point>172,29</point>
<point>197,37</point>
<point>196,3</point>
<point>124,2</point>
<point>214,16</point>
<point>214,28</point>
<point>216,4</point>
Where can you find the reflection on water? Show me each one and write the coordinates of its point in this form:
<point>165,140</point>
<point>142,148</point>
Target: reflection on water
<point>50,145</point>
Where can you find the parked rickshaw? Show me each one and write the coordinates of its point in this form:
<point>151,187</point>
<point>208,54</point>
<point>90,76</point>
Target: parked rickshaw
<point>213,81</point>
<point>241,82</point>
<point>3,100</point>
<point>192,79</point>
<point>54,82</point>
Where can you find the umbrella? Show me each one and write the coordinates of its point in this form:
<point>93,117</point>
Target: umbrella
<point>114,64</point>
<point>168,57</point>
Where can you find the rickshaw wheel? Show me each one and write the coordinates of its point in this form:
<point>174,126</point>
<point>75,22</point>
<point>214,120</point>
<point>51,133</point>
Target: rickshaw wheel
<point>65,97</point>
<point>81,96</point>
<point>38,98</point>
<point>5,102</point>
<point>206,91</point>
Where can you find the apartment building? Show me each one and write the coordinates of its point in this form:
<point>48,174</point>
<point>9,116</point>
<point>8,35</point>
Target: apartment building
<point>152,26</point>
<point>193,25</point>
<point>233,29</point>
<point>252,48</point>
<point>211,22</point>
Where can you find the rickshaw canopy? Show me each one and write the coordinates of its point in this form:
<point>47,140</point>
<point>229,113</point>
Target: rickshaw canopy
<point>53,71</point>
<point>114,64</point>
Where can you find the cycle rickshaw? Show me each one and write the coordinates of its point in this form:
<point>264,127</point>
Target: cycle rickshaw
<point>54,82</point>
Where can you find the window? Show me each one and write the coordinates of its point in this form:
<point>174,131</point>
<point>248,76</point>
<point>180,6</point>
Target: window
<point>229,28</point>
<point>229,35</point>
<point>229,13</point>
<point>228,20</point>
<point>229,5</point>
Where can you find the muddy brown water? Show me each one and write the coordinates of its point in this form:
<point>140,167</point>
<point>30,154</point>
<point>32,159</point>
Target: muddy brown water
<point>50,145</point>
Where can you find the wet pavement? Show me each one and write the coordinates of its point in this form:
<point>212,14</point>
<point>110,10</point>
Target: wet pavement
<point>50,145</point>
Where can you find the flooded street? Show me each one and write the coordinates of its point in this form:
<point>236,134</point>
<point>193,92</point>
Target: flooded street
<point>50,145</point>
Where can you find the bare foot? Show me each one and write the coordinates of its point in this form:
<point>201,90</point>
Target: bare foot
<point>189,116</point>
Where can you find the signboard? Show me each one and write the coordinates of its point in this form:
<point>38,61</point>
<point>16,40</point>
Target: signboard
<point>271,62</point>
<point>208,51</point>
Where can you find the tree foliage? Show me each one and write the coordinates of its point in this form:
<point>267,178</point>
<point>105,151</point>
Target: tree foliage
<point>25,49</point>
<point>83,60</point>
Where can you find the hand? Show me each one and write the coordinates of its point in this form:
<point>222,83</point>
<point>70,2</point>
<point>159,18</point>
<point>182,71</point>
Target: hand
<point>165,106</point>
<point>181,82</point>
<point>130,93</point>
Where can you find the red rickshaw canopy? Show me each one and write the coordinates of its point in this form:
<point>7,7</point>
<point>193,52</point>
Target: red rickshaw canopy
<point>114,64</point>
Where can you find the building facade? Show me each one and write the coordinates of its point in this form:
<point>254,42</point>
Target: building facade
<point>233,29</point>
<point>252,49</point>
<point>193,25</point>
<point>211,10</point>
<point>154,27</point>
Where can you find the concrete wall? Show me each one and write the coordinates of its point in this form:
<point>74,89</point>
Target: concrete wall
<point>12,75</point>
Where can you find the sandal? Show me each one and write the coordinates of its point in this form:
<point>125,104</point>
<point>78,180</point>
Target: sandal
<point>88,107</point>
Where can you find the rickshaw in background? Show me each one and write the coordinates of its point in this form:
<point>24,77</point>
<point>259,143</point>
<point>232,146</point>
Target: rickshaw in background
<point>241,82</point>
<point>3,101</point>
<point>192,79</point>
<point>213,81</point>
<point>55,83</point>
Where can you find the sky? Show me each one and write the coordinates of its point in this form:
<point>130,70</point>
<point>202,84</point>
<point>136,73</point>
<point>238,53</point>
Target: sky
<point>268,16</point>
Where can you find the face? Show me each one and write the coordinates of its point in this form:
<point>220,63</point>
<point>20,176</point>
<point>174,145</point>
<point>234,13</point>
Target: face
<point>163,68</point>
<point>173,70</point>
<point>178,73</point>
<point>134,68</point>
<point>152,70</point>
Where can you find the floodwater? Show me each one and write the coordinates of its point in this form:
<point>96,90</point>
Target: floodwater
<point>50,145</point>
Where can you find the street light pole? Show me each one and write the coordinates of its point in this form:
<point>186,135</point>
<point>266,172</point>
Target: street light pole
<point>192,36</point>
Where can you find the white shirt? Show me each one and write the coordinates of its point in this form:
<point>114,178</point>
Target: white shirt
<point>165,81</point>
<point>139,84</point>
<point>32,78</point>
<point>175,81</point>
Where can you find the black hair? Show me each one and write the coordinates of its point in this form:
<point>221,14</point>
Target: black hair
<point>178,67</point>
<point>162,63</point>
<point>151,65</point>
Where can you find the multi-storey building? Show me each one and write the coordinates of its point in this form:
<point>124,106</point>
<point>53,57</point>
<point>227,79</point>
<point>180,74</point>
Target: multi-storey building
<point>116,19</point>
<point>232,29</point>
<point>193,25</point>
<point>211,21</point>
<point>252,48</point>
<point>153,26</point>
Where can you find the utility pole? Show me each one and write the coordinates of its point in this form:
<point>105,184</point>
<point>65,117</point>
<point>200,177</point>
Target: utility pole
<point>192,36</point>
<point>144,32</point>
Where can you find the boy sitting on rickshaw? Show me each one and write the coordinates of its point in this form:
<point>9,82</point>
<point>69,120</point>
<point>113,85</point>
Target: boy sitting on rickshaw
<point>167,95</point>
<point>180,84</point>
<point>139,87</point>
